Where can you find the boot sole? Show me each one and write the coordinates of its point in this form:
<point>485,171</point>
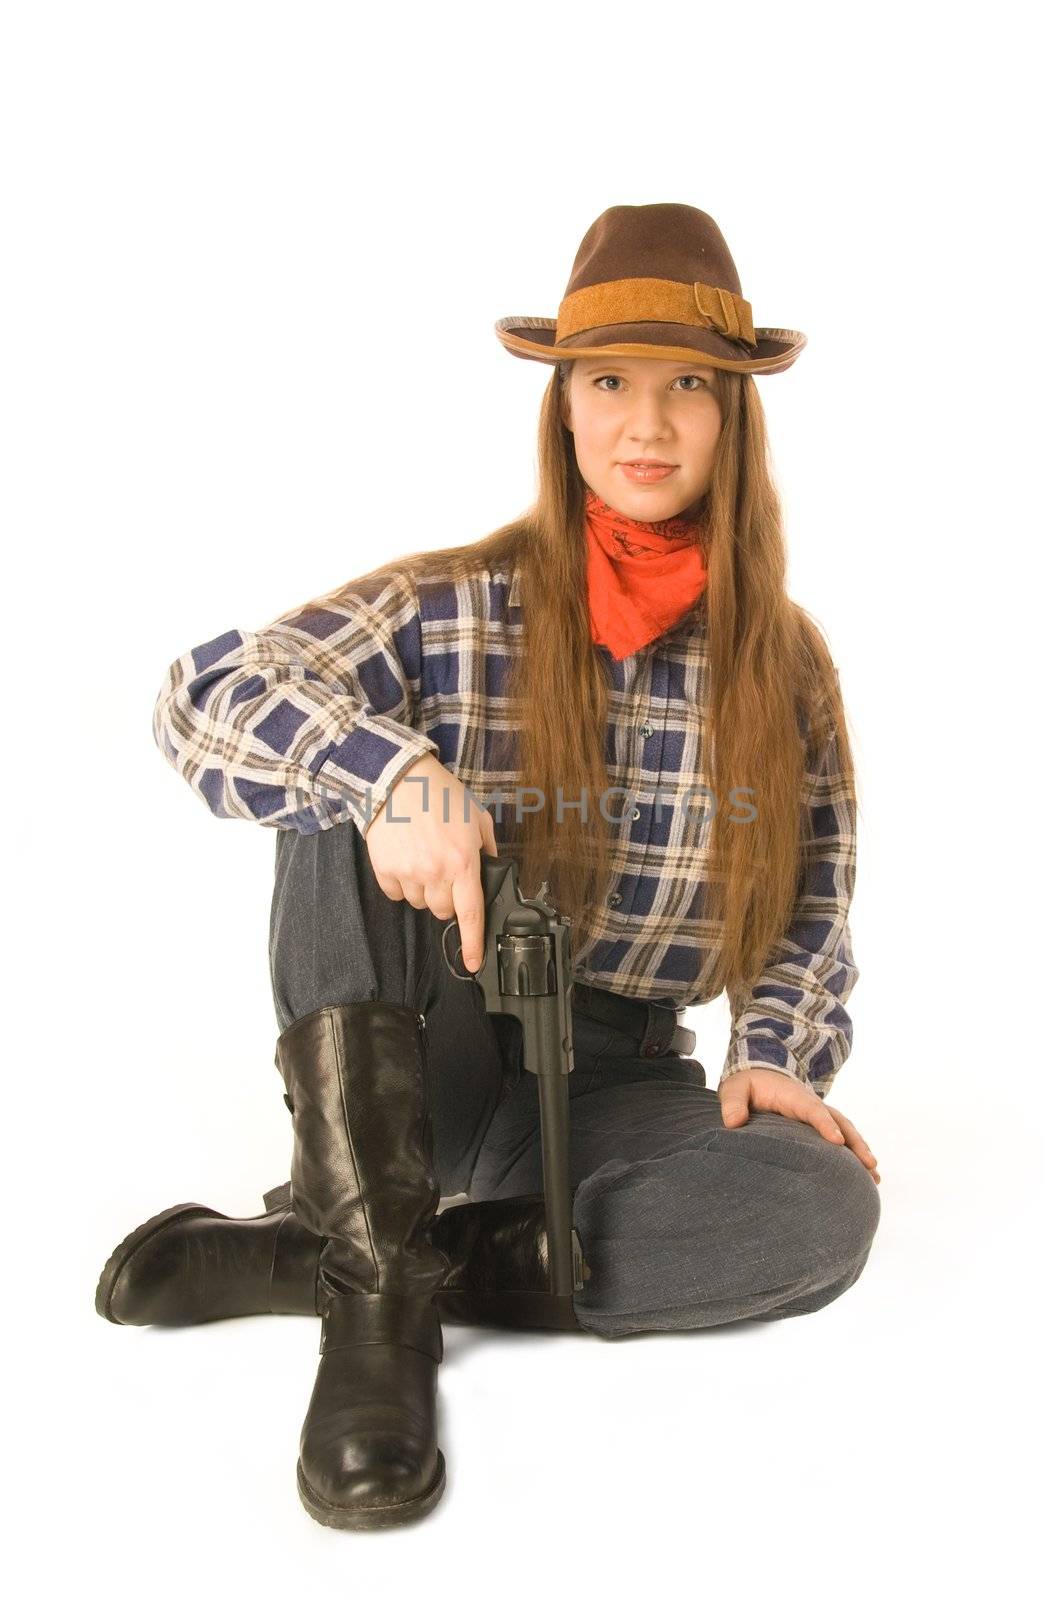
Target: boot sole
<point>125,1250</point>
<point>387,1516</point>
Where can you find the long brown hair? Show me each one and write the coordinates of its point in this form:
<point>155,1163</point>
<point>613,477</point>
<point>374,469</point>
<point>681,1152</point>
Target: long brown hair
<point>775,695</point>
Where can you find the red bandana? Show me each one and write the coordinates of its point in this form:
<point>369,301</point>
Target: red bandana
<point>642,576</point>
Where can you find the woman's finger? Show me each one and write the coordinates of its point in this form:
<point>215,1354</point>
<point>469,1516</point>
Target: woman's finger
<point>439,899</point>
<point>808,1107</point>
<point>854,1139</point>
<point>821,1117</point>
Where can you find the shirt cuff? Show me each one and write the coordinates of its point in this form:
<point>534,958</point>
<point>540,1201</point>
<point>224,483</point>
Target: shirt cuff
<point>769,1054</point>
<point>357,775</point>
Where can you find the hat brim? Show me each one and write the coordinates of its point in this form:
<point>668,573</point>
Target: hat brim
<point>533,338</point>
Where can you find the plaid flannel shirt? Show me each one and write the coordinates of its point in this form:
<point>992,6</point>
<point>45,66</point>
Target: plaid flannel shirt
<point>309,722</point>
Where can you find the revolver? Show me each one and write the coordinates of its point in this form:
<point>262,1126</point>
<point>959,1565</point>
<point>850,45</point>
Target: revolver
<point>526,971</point>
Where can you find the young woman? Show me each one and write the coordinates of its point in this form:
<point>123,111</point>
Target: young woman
<point>653,727</point>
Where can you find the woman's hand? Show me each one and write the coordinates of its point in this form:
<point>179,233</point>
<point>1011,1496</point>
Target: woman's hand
<point>758,1089</point>
<point>424,844</point>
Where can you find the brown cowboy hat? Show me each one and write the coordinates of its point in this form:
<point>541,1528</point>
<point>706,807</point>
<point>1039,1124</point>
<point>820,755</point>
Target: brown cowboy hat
<point>654,281</point>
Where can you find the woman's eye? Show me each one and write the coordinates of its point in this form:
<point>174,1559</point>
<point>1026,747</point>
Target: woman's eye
<point>685,377</point>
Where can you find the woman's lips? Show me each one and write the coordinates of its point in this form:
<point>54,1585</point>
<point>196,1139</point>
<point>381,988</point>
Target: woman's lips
<point>645,474</point>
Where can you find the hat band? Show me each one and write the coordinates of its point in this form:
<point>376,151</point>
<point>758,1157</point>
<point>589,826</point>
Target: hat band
<point>699,305</point>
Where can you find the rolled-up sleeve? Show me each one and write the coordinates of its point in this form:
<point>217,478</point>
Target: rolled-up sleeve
<point>793,1019</point>
<point>307,722</point>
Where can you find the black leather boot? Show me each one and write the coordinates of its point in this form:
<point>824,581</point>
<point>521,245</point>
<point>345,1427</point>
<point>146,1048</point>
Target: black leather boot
<point>499,1269</point>
<point>190,1264</point>
<point>362,1177</point>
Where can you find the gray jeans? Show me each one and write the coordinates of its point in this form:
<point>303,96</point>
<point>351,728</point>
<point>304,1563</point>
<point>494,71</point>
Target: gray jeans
<point>684,1223</point>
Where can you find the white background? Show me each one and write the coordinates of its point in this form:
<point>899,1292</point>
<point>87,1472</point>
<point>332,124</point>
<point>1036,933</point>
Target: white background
<point>253,258</point>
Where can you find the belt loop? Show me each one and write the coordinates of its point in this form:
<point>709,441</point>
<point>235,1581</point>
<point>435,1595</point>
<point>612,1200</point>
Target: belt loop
<point>660,1028</point>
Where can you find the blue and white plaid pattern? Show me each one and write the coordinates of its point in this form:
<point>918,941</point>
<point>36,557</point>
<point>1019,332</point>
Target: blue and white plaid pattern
<point>310,721</point>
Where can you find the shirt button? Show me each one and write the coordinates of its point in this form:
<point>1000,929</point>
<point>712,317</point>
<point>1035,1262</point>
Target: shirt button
<point>614,899</point>
<point>645,730</point>
<point>636,814</point>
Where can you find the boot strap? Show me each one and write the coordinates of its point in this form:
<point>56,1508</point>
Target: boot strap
<point>355,1319</point>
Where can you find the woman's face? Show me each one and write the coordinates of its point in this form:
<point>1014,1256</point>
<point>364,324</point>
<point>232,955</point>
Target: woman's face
<point>622,408</point>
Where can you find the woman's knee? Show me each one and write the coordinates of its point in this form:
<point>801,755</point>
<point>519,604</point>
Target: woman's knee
<point>738,1206</point>
<point>834,1203</point>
